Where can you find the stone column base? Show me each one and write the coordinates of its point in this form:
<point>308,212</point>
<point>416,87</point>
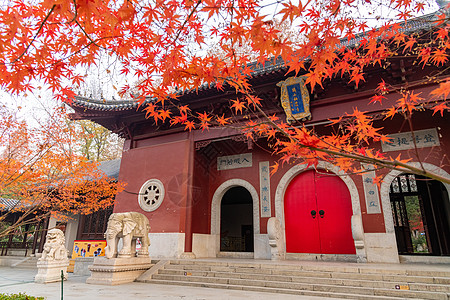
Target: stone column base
<point>116,271</point>
<point>50,270</point>
<point>187,255</point>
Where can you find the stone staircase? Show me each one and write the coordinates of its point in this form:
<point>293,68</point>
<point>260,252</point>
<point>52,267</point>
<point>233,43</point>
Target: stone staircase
<point>26,263</point>
<point>339,280</point>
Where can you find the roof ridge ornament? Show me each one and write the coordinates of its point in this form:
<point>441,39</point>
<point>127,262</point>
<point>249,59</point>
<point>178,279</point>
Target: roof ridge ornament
<point>295,99</point>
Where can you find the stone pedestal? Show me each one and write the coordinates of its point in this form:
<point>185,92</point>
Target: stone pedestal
<point>276,241</point>
<point>114,271</point>
<point>81,267</point>
<point>50,270</point>
<point>187,255</point>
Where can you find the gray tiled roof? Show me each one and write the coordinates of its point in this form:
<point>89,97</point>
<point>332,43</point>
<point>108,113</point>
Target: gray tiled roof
<point>111,168</point>
<point>9,204</point>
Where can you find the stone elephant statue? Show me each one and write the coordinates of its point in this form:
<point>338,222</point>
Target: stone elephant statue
<point>128,226</point>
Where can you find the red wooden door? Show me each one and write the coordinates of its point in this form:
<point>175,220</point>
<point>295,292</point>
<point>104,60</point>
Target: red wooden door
<point>329,230</point>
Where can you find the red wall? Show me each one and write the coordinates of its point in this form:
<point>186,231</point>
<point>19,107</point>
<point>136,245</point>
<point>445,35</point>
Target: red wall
<point>168,162</point>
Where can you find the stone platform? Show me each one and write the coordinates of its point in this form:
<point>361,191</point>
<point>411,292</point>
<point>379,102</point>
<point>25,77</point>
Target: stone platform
<point>50,271</point>
<point>308,278</point>
<point>116,271</point>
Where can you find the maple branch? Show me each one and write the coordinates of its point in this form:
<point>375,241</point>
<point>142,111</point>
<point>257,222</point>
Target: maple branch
<point>186,20</point>
<point>75,15</point>
<point>21,221</point>
<point>35,36</point>
<point>78,51</point>
<point>89,38</point>
<point>30,163</point>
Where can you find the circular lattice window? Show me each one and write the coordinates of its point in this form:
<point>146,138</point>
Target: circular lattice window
<point>151,195</point>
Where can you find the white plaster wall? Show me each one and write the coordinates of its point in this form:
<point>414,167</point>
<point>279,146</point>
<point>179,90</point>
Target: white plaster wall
<point>381,248</point>
<point>71,232</point>
<point>166,245</point>
<point>262,247</point>
<point>52,223</point>
<point>204,245</point>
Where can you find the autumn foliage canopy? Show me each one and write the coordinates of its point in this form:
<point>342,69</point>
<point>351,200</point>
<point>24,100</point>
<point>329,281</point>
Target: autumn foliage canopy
<point>169,46</point>
<point>41,171</point>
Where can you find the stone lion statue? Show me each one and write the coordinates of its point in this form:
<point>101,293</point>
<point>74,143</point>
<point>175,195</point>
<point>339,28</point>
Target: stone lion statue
<point>54,248</point>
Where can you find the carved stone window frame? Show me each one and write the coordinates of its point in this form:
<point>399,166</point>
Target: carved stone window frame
<point>151,195</point>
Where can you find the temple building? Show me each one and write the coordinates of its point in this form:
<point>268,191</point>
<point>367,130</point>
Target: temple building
<point>209,193</point>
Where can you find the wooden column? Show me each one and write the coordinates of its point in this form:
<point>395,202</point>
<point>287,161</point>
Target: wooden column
<point>189,197</point>
<point>43,233</point>
<point>36,236</point>
<point>24,240</point>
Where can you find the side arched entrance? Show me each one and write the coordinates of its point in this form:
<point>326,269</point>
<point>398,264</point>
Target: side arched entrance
<point>236,221</point>
<point>421,214</point>
<point>226,193</point>
<point>318,212</point>
<point>440,194</point>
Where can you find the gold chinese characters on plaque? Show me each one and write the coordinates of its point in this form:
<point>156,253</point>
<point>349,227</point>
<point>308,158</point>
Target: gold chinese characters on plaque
<point>295,99</point>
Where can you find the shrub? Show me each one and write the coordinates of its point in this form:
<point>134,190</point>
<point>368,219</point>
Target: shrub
<point>19,296</point>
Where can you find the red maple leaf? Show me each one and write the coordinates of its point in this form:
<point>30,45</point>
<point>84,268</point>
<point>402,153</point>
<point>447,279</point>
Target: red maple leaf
<point>238,105</point>
<point>440,108</point>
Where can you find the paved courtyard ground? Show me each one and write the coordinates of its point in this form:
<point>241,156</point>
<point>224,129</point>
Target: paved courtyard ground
<point>13,280</point>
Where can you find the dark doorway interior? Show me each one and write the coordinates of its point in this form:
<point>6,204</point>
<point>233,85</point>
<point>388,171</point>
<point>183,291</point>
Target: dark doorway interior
<point>236,221</point>
<point>421,211</point>
<point>93,226</point>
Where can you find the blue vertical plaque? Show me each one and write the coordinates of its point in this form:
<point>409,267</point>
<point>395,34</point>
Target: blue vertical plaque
<point>295,99</point>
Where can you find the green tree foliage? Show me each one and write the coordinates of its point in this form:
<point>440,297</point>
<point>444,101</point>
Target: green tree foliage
<point>98,143</point>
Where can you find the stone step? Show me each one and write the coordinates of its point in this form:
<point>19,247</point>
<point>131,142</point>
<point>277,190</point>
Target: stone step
<point>350,281</point>
<point>360,282</point>
<point>318,292</point>
<point>341,268</point>
<point>337,274</point>
<point>26,263</point>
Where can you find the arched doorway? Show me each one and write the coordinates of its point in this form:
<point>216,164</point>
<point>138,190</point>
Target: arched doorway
<point>318,211</point>
<point>236,221</point>
<point>421,212</point>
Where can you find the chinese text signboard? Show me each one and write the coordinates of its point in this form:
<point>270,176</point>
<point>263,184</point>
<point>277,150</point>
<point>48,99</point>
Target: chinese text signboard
<point>234,161</point>
<point>370,190</point>
<point>405,140</point>
<point>264,185</point>
<point>88,248</point>
<point>295,98</point>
